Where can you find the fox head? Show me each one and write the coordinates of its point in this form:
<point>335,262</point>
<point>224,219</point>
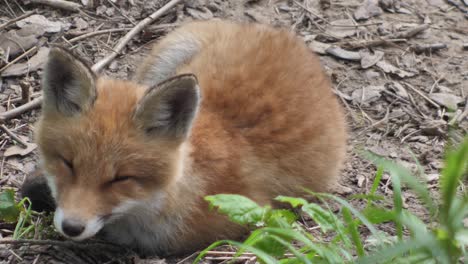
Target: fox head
<point>107,144</point>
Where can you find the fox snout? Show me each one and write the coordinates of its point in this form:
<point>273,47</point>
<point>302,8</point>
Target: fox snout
<point>76,227</point>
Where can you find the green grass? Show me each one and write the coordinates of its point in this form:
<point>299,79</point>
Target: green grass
<point>276,232</point>
<point>28,223</point>
<point>349,236</point>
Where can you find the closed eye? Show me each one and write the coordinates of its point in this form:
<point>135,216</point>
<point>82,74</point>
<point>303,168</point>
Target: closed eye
<point>120,179</point>
<point>67,163</point>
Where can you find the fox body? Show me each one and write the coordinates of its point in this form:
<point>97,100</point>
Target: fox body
<point>217,107</point>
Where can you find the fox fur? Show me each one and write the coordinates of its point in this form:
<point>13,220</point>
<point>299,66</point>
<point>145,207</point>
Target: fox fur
<point>216,107</point>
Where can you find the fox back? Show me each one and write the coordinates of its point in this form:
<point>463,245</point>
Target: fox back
<point>216,107</point>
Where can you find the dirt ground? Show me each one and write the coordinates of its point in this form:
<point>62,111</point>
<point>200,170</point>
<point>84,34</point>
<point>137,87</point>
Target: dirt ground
<point>400,68</point>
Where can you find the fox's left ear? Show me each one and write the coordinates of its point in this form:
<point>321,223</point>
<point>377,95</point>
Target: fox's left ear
<point>169,108</point>
<point>69,86</point>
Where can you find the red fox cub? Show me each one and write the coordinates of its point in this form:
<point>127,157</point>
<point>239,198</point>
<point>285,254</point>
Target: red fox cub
<point>217,107</point>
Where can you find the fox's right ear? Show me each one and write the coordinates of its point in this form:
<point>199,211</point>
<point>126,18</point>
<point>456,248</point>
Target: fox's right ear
<point>69,86</point>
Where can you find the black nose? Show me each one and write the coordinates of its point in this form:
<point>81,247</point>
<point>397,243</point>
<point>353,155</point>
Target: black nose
<point>72,227</point>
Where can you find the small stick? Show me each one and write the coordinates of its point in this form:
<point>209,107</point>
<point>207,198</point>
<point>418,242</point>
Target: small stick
<point>4,25</point>
<point>20,109</point>
<point>401,36</point>
<point>20,99</point>
<point>123,42</point>
<point>422,95</point>
<point>121,12</point>
<point>95,33</point>
<point>435,83</point>
<point>31,50</point>
<point>13,136</point>
<point>62,4</point>
<point>311,12</point>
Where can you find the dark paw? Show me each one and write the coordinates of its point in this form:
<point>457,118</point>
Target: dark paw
<point>36,189</point>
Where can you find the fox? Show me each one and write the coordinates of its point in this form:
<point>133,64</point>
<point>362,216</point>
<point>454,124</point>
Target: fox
<point>216,107</point>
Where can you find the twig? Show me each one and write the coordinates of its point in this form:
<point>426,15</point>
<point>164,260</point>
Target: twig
<point>62,4</point>
<point>311,12</point>
<point>20,99</point>
<point>20,109</point>
<point>121,12</point>
<point>31,50</point>
<point>123,42</point>
<point>95,33</point>
<point>4,25</point>
<point>13,136</point>
<point>401,36</point>
<point>435,83</point>
<point>422,95</point>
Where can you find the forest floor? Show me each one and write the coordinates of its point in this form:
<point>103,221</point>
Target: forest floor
<point>400,69</point>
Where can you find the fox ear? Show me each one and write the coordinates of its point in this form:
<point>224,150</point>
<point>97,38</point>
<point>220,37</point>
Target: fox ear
<point>68,84</point>
<point>169,108</point>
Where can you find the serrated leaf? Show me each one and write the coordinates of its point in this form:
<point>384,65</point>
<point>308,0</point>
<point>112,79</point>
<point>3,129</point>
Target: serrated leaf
<point>293,201</point>
<point>9,209</point>
<point>238,208</point>
<point>281,218</point>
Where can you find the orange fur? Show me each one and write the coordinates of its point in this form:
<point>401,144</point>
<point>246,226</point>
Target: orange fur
<point>268,124</point>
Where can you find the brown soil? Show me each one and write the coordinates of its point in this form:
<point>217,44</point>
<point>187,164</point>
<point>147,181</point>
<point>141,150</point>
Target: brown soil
<point>404,113</point>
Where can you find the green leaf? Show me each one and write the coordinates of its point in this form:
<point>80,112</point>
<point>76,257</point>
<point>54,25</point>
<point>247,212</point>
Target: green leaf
<point>456,164</point>
<point>378,178</point>
<point>295,202</point>
<point>353,231</point>
<point>378,215</point>
<point>9,209</point>
<point>404,175</point>
<point>325,219</point>
<point>238,208</point>
<point>281,218</point>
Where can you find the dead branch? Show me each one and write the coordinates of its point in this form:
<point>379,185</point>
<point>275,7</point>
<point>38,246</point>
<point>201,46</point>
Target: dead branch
<point>6,24</point>
<point>123,42</point>
<point>20,109</point>
<point>400,36</point>
<point>62,4</point>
